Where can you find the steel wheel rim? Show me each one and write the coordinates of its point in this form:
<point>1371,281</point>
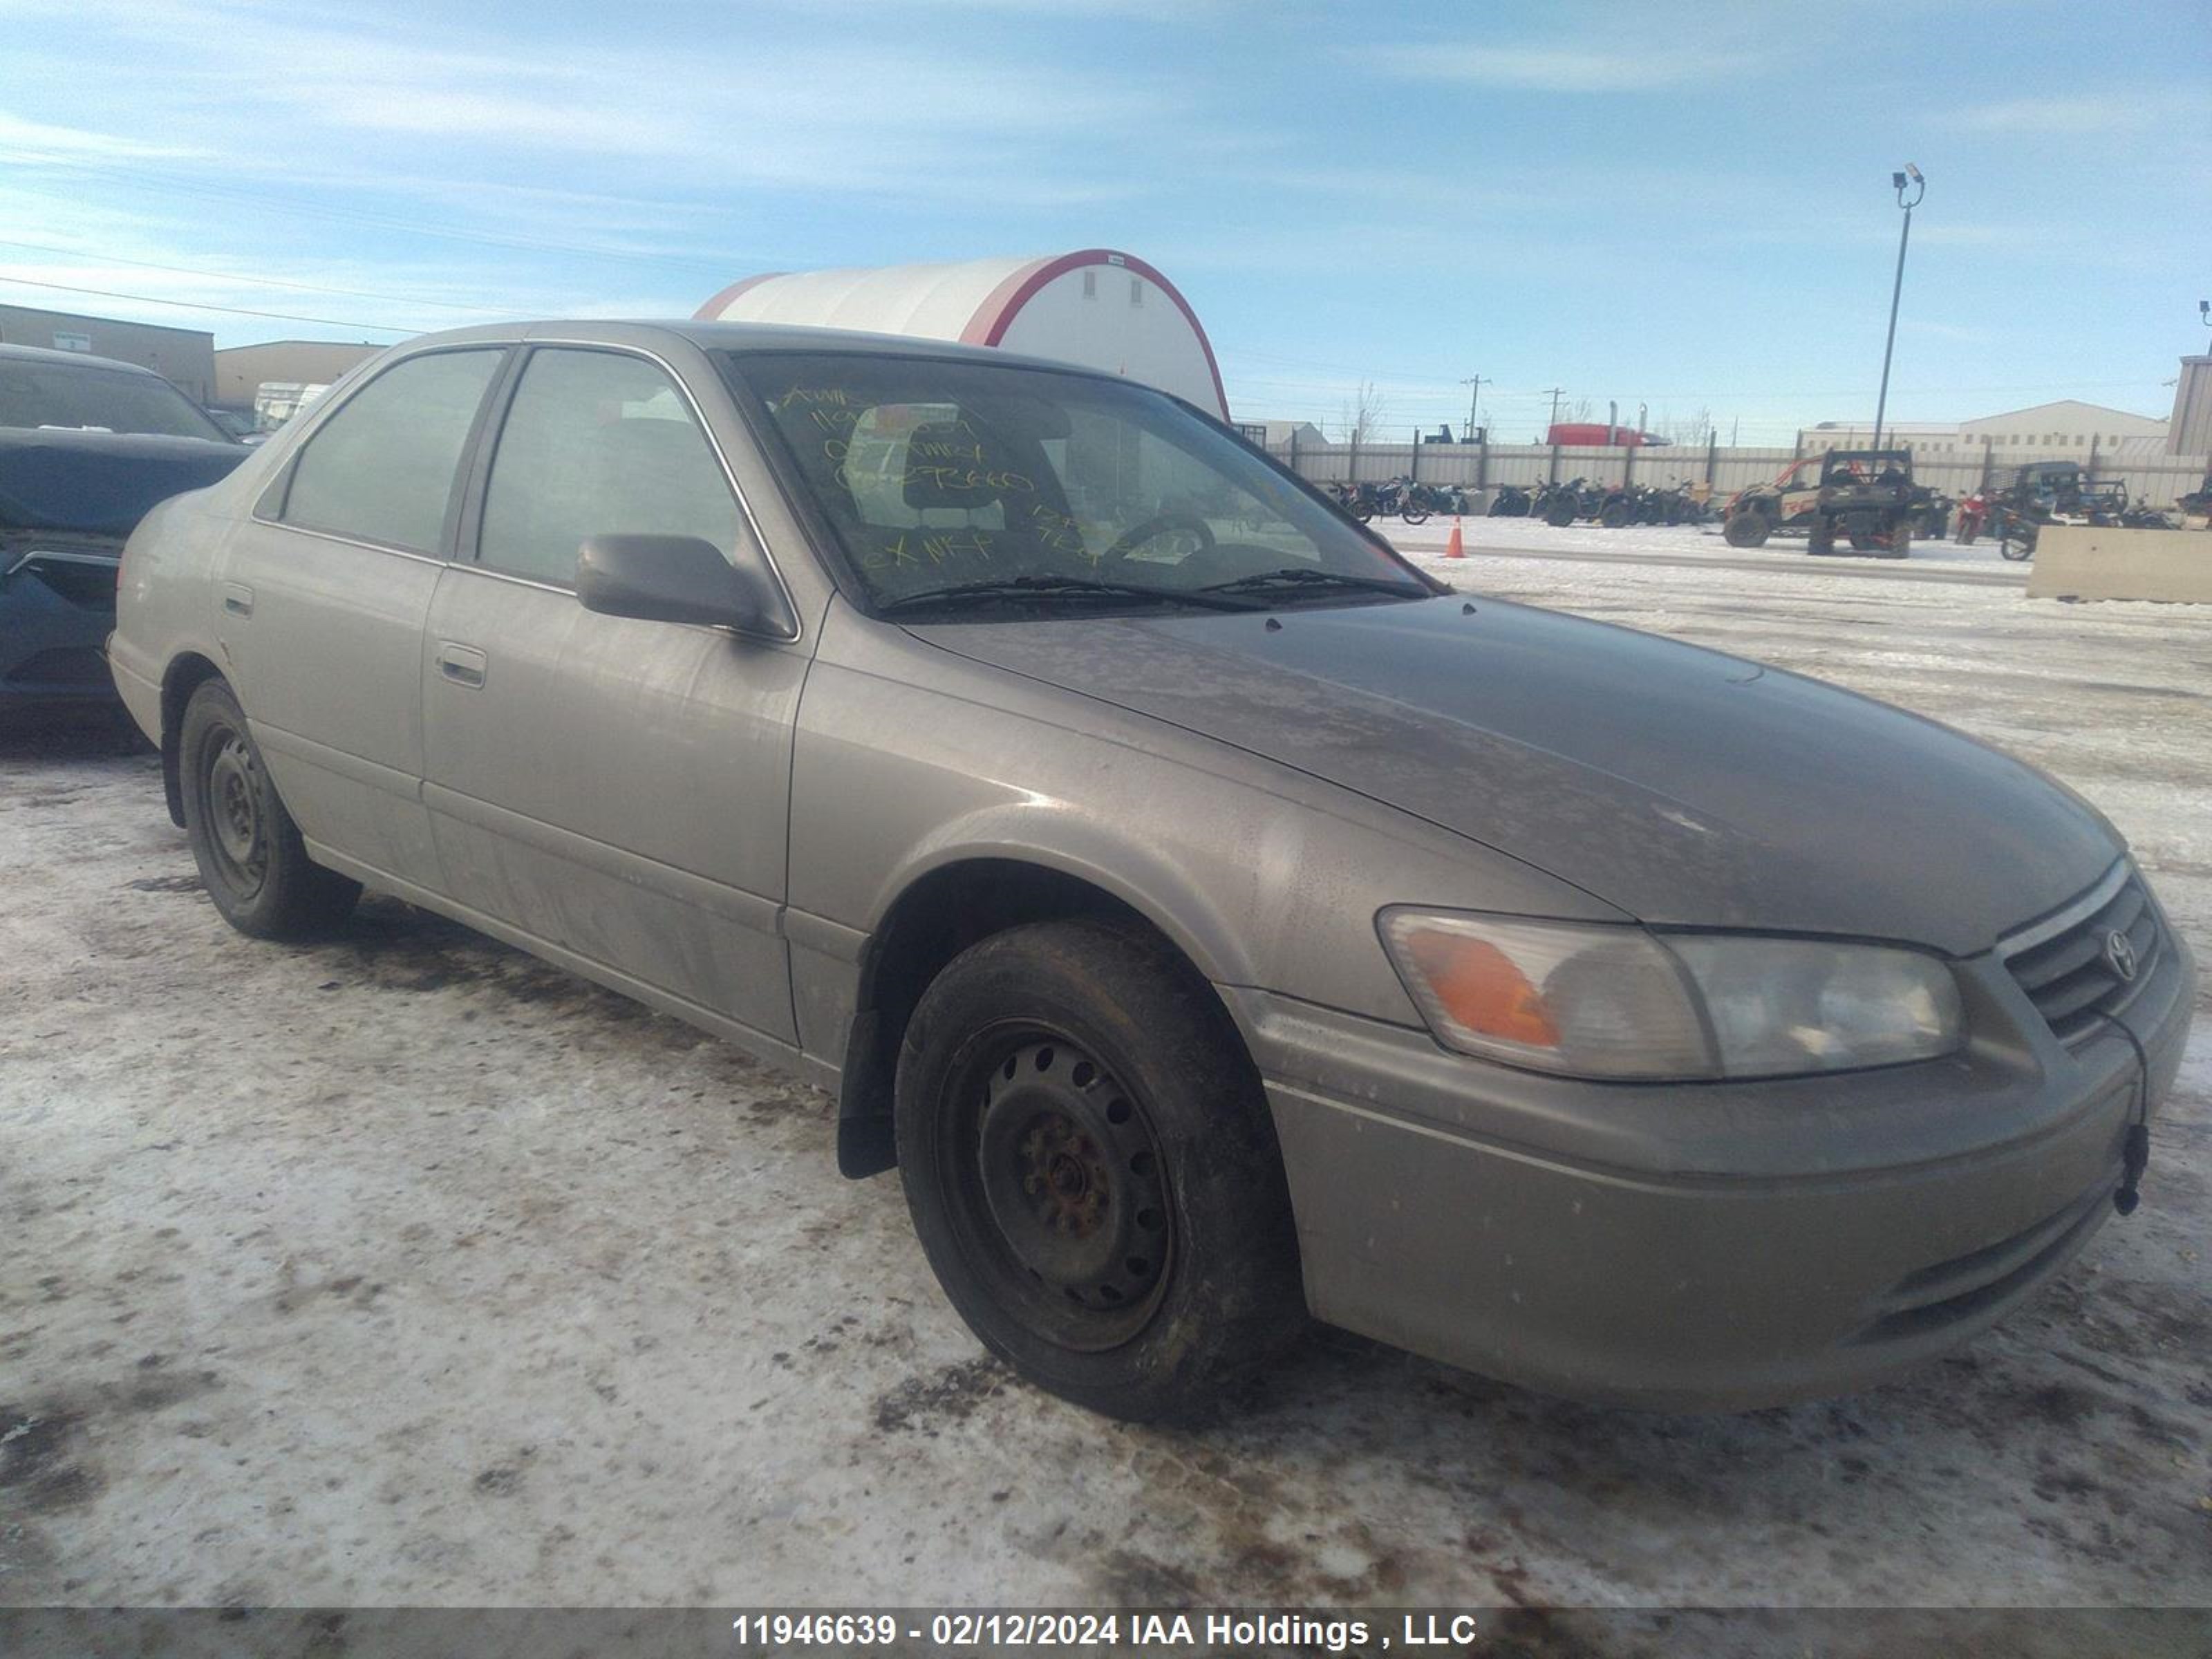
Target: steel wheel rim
<point>238,826</point>
<point>1059,1187</point>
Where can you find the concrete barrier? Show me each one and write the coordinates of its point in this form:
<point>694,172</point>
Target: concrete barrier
<point>2074,562</point>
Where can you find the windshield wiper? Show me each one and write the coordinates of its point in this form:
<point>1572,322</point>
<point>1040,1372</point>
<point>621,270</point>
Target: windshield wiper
<point>1302,576</point>
<point>1002,588</point>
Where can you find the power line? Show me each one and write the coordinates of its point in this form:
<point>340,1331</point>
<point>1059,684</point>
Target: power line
<point>232,311</point>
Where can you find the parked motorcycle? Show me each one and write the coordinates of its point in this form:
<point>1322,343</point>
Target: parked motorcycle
<point>1511,502</point>
<point>1559,505</point>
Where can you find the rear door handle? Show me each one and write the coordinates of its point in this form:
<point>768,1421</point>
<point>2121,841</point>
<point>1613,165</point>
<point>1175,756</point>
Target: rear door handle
<point>464,665</point>
<point>238,598</point>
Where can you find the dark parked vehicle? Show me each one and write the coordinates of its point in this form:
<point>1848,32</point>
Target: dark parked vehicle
<point>2060,492</point>
<point>1559,505</point>
<point>87,446</point>
<point>1866,496</point>
<point>1212,918</point>
<point>1511,502</point>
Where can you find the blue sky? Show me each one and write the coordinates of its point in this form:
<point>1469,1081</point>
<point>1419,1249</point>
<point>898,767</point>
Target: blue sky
<point>1682,205</point>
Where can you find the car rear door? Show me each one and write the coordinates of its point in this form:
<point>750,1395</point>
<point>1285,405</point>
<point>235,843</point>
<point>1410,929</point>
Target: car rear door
<point>322,597</point>
<point>615,788</point>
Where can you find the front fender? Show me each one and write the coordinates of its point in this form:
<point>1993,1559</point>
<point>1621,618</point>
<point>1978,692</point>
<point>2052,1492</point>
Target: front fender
<point>909,758</point>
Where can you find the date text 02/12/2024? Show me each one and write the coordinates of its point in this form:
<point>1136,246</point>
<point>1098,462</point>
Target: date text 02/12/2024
<point>1066,1629</point>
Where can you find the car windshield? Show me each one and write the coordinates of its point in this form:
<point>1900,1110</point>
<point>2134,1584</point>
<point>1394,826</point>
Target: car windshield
<point>1024,486</point>
<point>64,396</point>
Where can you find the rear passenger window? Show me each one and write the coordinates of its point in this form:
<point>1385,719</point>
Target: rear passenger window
<point>384,467</point>
<point>598,443</point>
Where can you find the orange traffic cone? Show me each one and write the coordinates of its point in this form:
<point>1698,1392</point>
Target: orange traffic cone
<point>1453,549</point>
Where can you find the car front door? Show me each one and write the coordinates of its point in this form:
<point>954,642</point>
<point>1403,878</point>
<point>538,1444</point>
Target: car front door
<point>323,596</point>
<point>615,788</point>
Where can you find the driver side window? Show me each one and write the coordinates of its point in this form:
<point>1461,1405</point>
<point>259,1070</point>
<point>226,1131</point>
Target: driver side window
<point>598,443</point>
<point>1122,477</point>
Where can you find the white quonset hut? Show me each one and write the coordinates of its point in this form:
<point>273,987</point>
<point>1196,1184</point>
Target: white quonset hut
<point>1098,307</point>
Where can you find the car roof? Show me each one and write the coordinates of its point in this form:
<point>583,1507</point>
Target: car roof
<point>70,359</point>
<point>742,337</point>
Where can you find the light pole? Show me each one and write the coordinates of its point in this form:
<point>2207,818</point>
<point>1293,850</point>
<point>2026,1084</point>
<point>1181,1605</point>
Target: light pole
<point>1919,185</point>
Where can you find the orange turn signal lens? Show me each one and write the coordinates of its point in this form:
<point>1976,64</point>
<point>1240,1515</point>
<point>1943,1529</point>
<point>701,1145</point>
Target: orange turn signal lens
<point>1478,986</point>
<point>1584,999</point>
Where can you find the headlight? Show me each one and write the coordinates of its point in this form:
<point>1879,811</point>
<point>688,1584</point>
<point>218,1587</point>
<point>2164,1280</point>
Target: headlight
<point>1603,1001</point>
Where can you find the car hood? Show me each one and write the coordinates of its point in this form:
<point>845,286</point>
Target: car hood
<point>100,483</point>
<point>1682,786</point>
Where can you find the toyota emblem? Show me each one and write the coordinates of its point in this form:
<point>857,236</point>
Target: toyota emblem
<point>2120,953</point>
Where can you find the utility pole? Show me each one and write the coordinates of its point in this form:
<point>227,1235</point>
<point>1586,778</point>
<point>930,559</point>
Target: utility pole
<point>1474,383</point>
<point>1558,392</point>
<point>1897,288</point>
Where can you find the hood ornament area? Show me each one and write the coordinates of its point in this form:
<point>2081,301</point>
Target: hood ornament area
<point>2120,956</point>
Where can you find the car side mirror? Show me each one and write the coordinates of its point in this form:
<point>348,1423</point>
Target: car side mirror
<point>676,579</point>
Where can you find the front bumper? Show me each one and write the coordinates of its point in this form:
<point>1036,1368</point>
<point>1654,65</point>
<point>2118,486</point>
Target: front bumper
<point>1700,1246</point>
<point>53,625</point>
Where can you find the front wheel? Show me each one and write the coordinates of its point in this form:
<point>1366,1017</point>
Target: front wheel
<point>1414,514</point>
<point>1748,528</point>
<point>1092,1171</point>
<point>250,856</point>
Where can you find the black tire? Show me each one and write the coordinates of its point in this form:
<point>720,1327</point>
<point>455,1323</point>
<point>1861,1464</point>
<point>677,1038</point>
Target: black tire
<point>1821,537</point>
<point>1092,1170</point>
<point>1414,514</point>
<point>1900,541</point>
<point>1560,513</point>
<point>1747,528</point>
<point>1617,514</point>
<point>249,857</point>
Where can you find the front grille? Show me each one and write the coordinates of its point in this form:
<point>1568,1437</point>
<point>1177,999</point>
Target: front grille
<point>2065,965</point>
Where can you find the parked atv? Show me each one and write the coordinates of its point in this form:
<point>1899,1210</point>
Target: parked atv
<point>1759,511</point>
<point>1511,502</point>
<point>1866,496</point>
<point>2056,492</point>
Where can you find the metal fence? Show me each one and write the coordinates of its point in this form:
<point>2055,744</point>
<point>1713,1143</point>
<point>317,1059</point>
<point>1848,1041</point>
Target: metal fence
<point>1724,470</point>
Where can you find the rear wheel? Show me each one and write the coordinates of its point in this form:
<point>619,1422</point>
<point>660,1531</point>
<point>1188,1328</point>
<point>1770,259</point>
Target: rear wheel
<point>1900,541</point>
<point>1414,514</point>
<point>1616,514</point>
<point>250,856</point>
<point>1092,1171</point>
<point>1560,513</point>
<point>1820,537</point>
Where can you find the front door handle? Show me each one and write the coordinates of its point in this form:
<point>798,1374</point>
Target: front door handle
<point>464,665</point>
<point>238,598</point>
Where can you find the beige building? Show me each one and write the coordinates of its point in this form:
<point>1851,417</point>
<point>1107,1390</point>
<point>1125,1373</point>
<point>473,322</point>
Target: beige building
<point>2064,431</point>
<point>240,371</point>
<point>184,356</point>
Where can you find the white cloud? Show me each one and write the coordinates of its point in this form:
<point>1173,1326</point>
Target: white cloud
<point>2065,115</point>
<point>1559,69</point>
<point>62,143</point>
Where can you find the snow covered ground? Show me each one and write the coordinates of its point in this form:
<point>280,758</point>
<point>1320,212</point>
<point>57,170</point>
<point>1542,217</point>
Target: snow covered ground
<point>403,1269</point>
<point>1681,542</point>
